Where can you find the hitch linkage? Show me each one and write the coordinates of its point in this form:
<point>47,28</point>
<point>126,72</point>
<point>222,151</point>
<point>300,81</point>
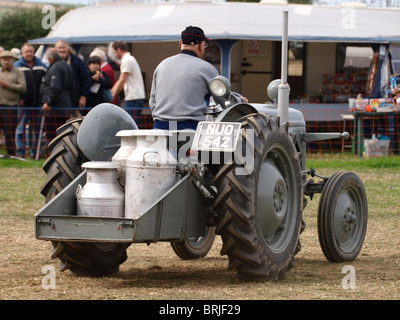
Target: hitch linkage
<point>310,187</point>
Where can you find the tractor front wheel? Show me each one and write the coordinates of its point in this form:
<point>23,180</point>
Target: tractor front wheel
<point>342,217</point>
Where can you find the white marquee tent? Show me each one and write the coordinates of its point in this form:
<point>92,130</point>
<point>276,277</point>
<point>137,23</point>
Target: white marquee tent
<point>143,22</point>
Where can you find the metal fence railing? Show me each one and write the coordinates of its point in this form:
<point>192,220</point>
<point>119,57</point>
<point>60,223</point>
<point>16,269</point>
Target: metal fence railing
<point>20,128</point>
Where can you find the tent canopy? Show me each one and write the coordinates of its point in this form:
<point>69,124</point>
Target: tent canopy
<point>143,22</point>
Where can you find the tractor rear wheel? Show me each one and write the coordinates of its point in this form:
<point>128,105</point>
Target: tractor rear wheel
<point>63,166</point>
<point>260,212</point>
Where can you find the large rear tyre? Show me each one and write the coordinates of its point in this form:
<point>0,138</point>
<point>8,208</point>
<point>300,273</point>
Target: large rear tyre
<point>342,217</point>
<point>196,247</point>
<point>260,213</point>
<point>63,166</point>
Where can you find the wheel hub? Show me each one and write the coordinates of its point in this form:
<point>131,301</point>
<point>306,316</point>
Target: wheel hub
<point>349,219</point>
<point>345,218</point>
<point>272,199</point>
<point>278,197</point>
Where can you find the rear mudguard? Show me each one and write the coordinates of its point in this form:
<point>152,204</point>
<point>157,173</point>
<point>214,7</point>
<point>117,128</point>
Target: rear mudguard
<point>296,118</point>
<point>235,112</point>
<point>96,136</point>
<point>296,123</point>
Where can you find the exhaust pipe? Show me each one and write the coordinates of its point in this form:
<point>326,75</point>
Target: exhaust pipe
<point>284,88</point>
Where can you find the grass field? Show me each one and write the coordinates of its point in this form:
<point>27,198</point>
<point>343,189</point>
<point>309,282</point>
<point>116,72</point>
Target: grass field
<point>155,272</point>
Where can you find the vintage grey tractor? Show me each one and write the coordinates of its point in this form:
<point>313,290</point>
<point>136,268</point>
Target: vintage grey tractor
<point>241,175</point>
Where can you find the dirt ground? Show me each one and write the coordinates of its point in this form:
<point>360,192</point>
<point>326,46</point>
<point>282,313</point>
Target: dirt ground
<point>155,272</point>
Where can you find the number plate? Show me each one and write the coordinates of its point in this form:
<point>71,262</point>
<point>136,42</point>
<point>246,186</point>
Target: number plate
<point>216,136</point>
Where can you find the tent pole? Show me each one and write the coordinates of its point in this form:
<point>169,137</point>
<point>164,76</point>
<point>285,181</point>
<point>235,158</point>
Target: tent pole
<point>284,89</point>
<point>226,48</point>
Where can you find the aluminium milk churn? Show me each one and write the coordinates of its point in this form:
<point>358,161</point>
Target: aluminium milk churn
<point>150,172</point>
<point>128,144</point>
<point>101,196</point>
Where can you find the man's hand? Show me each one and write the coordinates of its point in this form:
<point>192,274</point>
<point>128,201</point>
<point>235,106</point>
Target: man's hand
<point>82,102</point>
<point>96,77</point>
<point>45,107</point>
<point>4,84</point>
<point>119,85</point>
<point>114,92</point>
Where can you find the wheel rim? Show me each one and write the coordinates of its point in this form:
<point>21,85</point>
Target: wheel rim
<point>199,242</point>
<point>277,198</point>
<point>196,242</point>
<point>348,219</point>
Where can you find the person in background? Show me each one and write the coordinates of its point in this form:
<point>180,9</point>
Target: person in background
<point>130,80</point>
<point>82,79</point>
<point>105,66</point>
<point>100,83</point>
<point>2,142</point>
<point>12,84</point>
<point>16,53</point>
<point>29,108</point>
<point>56,92</point>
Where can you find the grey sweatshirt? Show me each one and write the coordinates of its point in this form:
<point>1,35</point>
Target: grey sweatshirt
<point>180,88</point>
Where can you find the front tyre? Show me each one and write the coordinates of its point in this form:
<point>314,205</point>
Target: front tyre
<point>342,217</point>
<point>260,212</point>
<point>63,166</point>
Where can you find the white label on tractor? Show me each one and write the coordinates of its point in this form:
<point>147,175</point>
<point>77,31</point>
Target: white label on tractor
<point>216,136</point>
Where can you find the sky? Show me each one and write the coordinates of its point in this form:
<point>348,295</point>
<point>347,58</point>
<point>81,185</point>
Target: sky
<point>382,3</point>
<point>74,2</point>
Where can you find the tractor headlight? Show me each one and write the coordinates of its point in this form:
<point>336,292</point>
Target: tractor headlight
<point>220,86</point>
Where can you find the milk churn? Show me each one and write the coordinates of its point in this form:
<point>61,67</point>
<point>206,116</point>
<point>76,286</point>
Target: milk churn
<point>150,172</point>
<point>101,196</point>
<point>128,144</point>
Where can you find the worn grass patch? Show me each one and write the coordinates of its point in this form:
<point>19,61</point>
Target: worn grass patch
<point>155,272</point>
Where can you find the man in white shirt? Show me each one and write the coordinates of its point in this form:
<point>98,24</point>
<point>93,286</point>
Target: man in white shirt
<point>130,80</point>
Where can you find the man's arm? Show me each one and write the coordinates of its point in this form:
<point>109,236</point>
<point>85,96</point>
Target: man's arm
<point>18,86</point>
<point>51,90</point>
<point>152,100</point>
<point>119,85</point>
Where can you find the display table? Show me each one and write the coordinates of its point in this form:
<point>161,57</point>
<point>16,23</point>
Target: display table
<point>379,123</point>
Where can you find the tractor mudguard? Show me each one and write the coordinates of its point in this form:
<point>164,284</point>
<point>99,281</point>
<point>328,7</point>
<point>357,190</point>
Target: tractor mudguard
<point>96,136</point>
<point>235,112</point>
<point>296,118</point>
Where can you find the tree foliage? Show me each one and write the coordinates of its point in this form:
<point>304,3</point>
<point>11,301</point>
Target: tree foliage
<point>20,25</point>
